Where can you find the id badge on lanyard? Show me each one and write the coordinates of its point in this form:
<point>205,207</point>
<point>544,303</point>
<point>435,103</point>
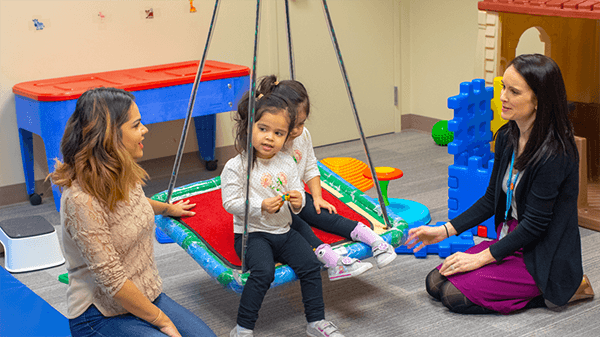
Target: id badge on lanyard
<point>510,187</point>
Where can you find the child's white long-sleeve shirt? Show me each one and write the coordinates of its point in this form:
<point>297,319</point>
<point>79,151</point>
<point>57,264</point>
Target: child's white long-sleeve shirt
<point>304,154</point>
<point>268,178</point>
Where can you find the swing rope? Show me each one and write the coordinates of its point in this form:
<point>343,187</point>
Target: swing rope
<point>338,54</point>
<point>188,117</point>
<point>289,40</point>
<point>249,147</point>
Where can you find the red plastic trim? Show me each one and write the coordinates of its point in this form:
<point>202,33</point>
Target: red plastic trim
<point>71,87</point>
<point>582,9</point>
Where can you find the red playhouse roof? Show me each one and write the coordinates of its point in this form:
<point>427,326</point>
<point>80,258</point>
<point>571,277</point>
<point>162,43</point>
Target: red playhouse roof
<point>582,9</point>
<point>71,87</point>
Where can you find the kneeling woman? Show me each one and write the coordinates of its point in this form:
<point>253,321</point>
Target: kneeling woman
<point>532,193</point>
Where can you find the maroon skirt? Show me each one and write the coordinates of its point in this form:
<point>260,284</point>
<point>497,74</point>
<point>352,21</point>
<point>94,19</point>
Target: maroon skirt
<point>503,286</point>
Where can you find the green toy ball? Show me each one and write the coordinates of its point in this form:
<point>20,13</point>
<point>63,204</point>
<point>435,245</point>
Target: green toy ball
<point>440,134</point>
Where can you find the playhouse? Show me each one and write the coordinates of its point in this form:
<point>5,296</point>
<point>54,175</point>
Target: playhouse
<point>570,34</point>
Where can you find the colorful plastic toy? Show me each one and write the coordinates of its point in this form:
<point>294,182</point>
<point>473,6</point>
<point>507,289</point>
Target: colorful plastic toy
<point>469,176</point>
<point>445,248</point>
<point>351,170</point>
<point>440,134</point>
<point>64,278</point>
<point>408,210</point>
<point>496,105</point>
<point>468,179</point>
<point>472,116</point>
<point>384,175</point>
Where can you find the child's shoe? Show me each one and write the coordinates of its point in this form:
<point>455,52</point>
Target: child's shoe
<point>383,253</point>
<point>339,267</point>
<point>323,328</point>
<point>347,267</point>
<point>238,331</point>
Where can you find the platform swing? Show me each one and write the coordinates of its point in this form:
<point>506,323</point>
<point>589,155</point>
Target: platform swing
<point>208,236</point>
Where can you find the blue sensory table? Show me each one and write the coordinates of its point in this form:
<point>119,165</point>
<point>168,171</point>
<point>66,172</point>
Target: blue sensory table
<point>162,94</point>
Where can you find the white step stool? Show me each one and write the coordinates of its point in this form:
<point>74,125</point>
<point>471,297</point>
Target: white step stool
<point>30,243</point>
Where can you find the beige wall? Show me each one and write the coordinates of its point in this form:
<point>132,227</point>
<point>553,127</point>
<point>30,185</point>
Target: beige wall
<point>443,37</point>
<point>426,48</point>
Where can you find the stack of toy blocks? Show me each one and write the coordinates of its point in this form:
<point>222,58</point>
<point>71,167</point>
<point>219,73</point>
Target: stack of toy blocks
<point>444,248</point>
<point>469,176</point>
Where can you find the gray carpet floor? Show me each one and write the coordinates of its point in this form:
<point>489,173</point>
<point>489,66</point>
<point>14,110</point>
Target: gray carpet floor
<point>382,302</point>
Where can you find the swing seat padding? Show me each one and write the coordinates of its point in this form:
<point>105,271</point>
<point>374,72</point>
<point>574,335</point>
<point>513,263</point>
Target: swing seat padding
<point>208,236</point>
<point>215,226</point>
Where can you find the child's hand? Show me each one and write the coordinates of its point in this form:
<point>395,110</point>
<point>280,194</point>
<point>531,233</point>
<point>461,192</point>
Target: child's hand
<point>272,205</point>
<point>295,200</point>
<point>322,203</point>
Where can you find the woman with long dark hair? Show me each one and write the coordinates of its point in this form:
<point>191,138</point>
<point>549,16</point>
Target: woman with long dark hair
<point>536,260</point>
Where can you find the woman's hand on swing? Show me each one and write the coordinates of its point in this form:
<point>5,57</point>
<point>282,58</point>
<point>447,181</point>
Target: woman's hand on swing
<point>180,209</point>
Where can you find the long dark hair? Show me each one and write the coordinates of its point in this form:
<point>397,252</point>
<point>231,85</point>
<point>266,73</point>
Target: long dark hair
<point>270,103</point>
<point>292,90</point>
<point>552,132</point>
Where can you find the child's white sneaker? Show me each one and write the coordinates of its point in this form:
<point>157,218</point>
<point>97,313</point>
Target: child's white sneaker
<point>347,267</point>
<point>323,328</point>
<point>241,332</point>
<point>384,254</point>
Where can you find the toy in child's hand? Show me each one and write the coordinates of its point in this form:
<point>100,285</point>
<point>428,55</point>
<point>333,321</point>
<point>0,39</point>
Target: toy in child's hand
<point>284,198</point>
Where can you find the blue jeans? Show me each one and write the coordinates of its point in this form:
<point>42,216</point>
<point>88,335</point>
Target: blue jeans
<point>93,323</point>
<point>330,223</point>
<point>262,251</point>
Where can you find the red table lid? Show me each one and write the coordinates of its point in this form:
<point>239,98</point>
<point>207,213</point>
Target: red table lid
<point>71,87</point>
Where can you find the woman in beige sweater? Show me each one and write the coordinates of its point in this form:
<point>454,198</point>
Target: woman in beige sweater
<point>114,286</point>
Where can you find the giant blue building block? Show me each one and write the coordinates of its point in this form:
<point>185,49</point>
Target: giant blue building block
<point>445,248</point>
<point>469,176</point>
<point>472,117</point>
<point>467,182</point>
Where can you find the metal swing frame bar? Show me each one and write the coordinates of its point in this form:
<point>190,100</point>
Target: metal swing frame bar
<point>188,117</point>
<point>249,147</point>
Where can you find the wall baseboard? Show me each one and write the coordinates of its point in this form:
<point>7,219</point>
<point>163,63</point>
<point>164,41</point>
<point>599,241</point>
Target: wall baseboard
<point>156,168</point>
<point>418,123</point>
<point>163,167</point>
<point>13,194</point>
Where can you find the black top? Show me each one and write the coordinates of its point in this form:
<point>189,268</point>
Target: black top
<point>548,229</point>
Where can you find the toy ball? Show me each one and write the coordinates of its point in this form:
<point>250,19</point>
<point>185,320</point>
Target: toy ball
<point>440,134</point>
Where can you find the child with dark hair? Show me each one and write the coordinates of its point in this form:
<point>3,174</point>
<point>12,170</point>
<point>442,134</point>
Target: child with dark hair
<point>274,185</point>
<point>299,146</point>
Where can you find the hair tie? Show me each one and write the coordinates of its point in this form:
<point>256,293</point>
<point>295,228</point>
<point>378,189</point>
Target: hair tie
<point>259,97</point>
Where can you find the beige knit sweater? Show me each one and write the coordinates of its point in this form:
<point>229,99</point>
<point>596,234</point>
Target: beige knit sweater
<point>103,249</point>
